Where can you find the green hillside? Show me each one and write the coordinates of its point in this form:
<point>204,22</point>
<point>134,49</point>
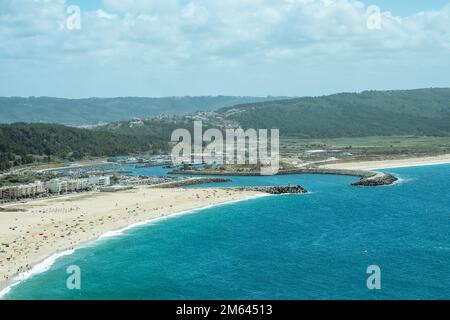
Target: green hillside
<point>424,112</point>
<point>26,143</point>
<point>91,111</point>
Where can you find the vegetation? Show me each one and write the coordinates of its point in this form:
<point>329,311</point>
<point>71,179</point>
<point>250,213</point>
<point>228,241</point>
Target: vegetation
<point>26,143</point>
<point>424,112</point>
<point>11,180</point>
<point>368,125</point>
<point>366,148</point>
<point>159,127</point>
<point>92,111</point>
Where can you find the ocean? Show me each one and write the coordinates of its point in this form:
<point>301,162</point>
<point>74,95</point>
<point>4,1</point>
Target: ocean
<point>313,246</point>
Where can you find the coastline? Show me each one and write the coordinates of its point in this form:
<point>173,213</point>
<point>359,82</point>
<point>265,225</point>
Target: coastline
<point>40,215</point>
<point>47,230</point>
<point>391,164</point>
<point>367,178</point>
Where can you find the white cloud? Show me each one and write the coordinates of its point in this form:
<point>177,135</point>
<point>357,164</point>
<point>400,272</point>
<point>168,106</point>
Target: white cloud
<point>211,34</point>
<point>141,6</point>
<point>105,15</point>
<point>194,14</point>
<point>228,28</point>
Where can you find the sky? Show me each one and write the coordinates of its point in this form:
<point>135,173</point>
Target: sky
<point>215,47</point>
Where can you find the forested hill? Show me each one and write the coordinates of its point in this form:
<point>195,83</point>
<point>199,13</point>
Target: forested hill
<point>25,143</point>
<point>79,112</point>
<point>370,113</point>
<point>424,112</point>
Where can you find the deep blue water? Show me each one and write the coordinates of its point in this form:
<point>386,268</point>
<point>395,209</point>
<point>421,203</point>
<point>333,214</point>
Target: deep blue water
<point>315,246</point>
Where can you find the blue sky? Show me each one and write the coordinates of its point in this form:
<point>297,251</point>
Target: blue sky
<point>210,47</point>
<point>408,7</point>
<point>400,7</point>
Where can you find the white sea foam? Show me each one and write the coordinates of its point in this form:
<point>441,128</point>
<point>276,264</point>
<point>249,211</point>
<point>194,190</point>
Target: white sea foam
<point>50,261</point>
<point>400,181</point>
<point>37,269</point>
<point>403,180</point>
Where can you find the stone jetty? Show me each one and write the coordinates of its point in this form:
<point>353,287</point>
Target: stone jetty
<point>190,182</point>
<point>367,178</point>
<point>276,189</point>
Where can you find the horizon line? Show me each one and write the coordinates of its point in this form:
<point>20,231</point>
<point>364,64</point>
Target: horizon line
<point>226,96</point>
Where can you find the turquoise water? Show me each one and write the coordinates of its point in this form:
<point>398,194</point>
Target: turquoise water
<point>315,246</point>
<point>149,171</point>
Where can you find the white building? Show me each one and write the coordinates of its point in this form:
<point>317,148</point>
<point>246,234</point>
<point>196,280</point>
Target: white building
<point>102,181</point>
<point>72,185</point>
<point>54,186</point>
<point>22,191</point>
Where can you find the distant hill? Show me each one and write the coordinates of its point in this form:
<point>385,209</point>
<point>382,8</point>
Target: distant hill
<point>25,143</point>
<point>78,112</point>
<point>422,112</point>
<point>371,113</point>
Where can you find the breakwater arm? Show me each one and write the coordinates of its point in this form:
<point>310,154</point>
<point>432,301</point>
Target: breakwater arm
<point>276,189</point>
<point>379,179</point>
<point>367,178</point>
<point>189,182</point>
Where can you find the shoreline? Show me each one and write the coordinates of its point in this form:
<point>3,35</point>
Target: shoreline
<point>46,261</point>
<point>412,165</point>
<point>391,164</point>
<point>29,264</point>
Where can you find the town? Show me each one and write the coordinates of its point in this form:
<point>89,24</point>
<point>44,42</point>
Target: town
<point>54,186</point>
<point>74,178</point>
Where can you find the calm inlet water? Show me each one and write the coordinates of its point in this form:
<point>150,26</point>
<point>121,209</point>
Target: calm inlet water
<point>315,246</point>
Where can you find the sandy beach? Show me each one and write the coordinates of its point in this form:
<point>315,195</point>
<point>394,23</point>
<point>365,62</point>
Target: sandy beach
<point>31,232</point>
<point>46,227</point>
<point>386,164</point>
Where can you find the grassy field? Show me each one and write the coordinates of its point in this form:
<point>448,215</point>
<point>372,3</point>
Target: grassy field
<point>368,148</point>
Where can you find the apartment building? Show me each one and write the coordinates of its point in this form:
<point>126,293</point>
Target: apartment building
<point>22,191</point>
<point>62,186</point>
<point>102,181</point>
